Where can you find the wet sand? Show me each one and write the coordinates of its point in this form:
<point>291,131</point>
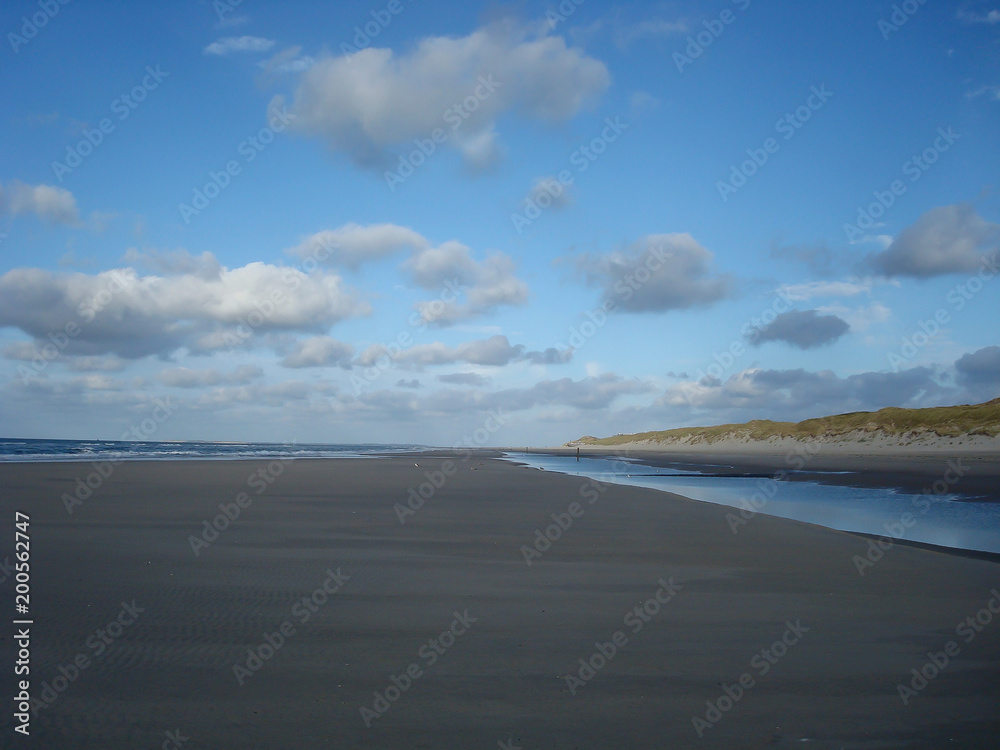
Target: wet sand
<point>712,607</point>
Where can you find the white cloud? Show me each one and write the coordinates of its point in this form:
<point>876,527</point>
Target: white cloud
<point>230,44</point>
<point>353,244</point>
<point>495,351</point>
<point>133,316</point>
<point>53,204</point>
<point>988,18</point>
<point>367,102</point>
<point>319,351</point>
<point>449,268</point>
<point>811,289</point>
<point>553,193</point>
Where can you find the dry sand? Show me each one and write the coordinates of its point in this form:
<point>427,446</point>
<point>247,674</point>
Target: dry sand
<point>504,677</point>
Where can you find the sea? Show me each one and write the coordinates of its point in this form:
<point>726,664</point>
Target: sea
<point>943,520</point>
<point>153,450</point>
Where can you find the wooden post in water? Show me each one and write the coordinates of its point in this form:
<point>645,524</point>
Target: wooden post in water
<point>578,453</point>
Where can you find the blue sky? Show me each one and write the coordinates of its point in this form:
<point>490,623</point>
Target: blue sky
<point>579,218</point>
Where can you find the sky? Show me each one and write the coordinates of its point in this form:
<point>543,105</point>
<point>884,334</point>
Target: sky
<point>465,223</point>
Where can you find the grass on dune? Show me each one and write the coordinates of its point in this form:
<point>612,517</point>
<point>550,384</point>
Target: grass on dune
<point>944,421</point>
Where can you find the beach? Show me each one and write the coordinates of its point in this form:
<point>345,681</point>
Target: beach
<point>454,600</point>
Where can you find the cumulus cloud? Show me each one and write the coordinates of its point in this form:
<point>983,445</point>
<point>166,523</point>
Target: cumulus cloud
<point>804,329</point>
<point>659,272</point>
<point>464,378</point>
<point>945,240</point>
<point>487,284</point>
<point>320,351</point>
<point>366,102</point>
<point>230,44</point>
<point>354,244</point>
<point>184,377</point>
<point>448,269</point>
<point>403,383</point>
<point>980,368</point>
<point>553,194</point>
<point>132,316</point>
<point>55,205</point>
<point>495,351</point>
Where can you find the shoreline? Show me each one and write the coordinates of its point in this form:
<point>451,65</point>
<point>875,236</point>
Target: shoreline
<point>908,472</point>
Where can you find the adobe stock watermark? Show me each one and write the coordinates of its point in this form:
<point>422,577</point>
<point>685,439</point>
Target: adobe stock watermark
<point>174,740</point>
<point>259,481</point>
<point>580,158</point>
<point>957,297</point>
<point>98,644</point>
<point>301,612</point>
<point>635,619</point>
<point>563,11</point>
<point>122,106</point>
<point>427,655</point>
<point>900,16</point>
<point>760,664</point>
<point>224,7</point>
<point>756,501</point>
<point>30,26</point>
<point>651,263</point>
<point>591,491</point>
<point>787,126</point>
<point>249,148</point>
<point>698,43</point>
<point>915,167</point>
<point>87,311</point>
<point>417,497</point>
<point>896,530</point>
<point>938,661</point>
<point>90,483</point>
<point>454,116</point>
